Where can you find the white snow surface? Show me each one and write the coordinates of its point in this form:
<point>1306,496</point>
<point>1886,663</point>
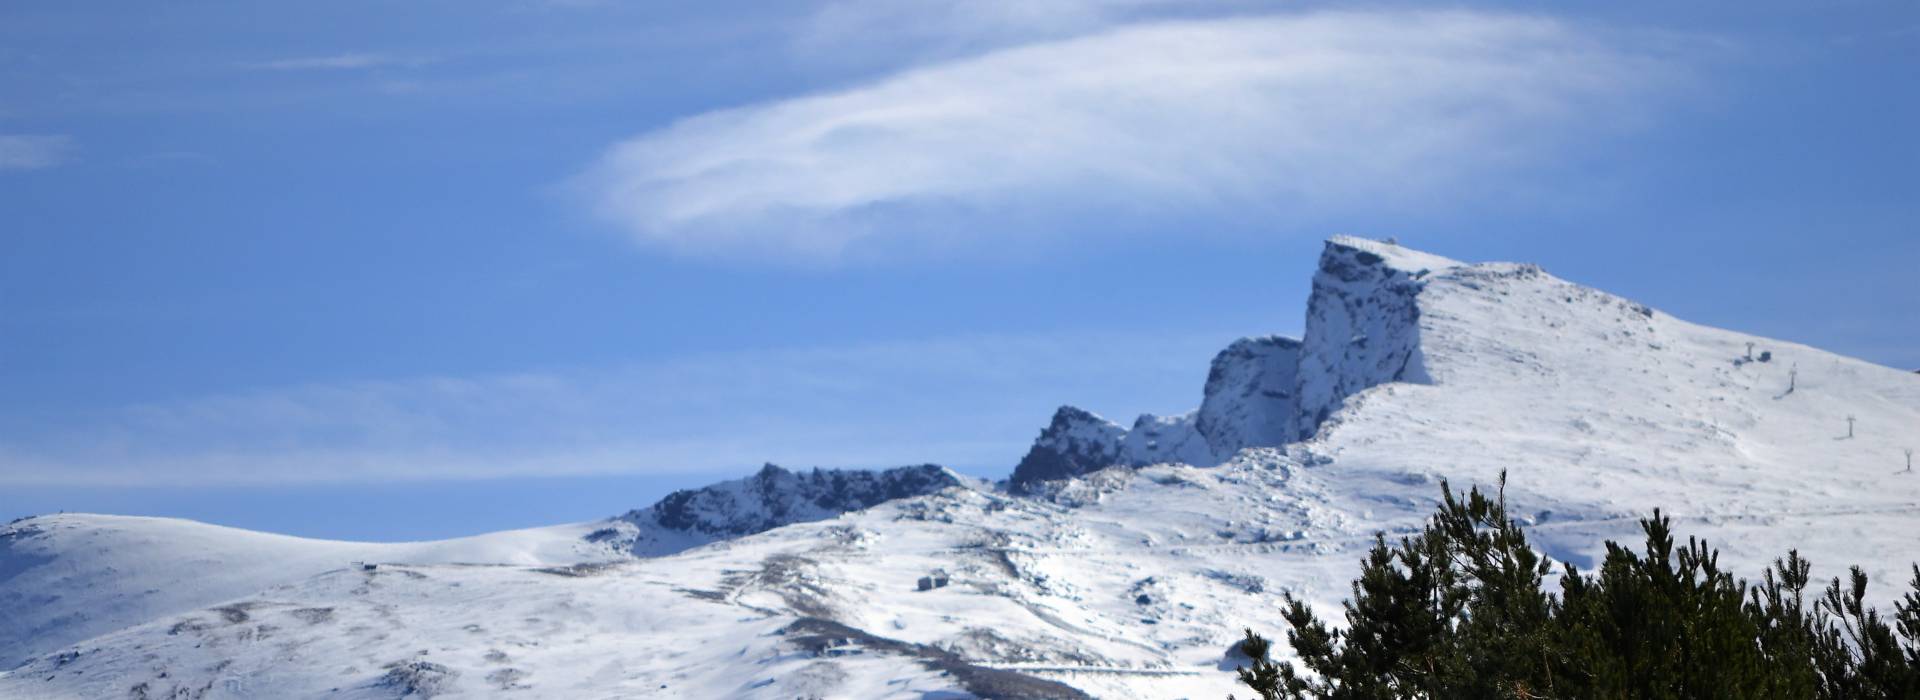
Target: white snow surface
<point>1159,439</point>
<point>65,578</point>
<point>1122,583</point>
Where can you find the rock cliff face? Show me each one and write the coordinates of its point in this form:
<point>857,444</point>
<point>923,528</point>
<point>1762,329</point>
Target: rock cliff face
<point>1247,402</point>
<point>1363,329</point>
<point>1249,397</point>
<point>1363,325</point>
<point>771,498</point>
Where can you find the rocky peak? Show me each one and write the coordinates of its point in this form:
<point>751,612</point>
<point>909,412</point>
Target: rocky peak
<point>1355,260</point>
<point>1247,402</point>
<point>1363,330</point>
<point>1363,325</point>
<point>1075,442</point>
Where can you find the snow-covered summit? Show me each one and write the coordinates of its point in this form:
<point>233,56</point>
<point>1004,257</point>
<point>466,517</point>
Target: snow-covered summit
<point>1386,255</point>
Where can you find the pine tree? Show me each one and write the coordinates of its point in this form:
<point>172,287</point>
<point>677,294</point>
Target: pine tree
<point>1668,623</point>
<point>1262,675</point>
<point>1460,611</point>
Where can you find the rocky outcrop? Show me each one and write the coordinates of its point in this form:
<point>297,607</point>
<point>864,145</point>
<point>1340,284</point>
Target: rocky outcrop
<point>1363,325</point>
<point>1247,402</point>
<point>1078,442</point>
<point>1074,443</point>
<point>771,498</point>
<point>1249,397</point>
<point>1363,330</point>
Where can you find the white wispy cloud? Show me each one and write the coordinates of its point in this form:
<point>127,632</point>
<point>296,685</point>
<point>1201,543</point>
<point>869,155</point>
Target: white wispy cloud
<point>972,400</point>
<point>860,31</point>
<point>33,151</point>
<point>1278,113</point>
<point>341,61</point>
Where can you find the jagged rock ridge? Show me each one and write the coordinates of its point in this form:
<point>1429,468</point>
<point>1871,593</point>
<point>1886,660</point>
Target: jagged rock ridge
<point>1362,330</point>
<point>771,498</point>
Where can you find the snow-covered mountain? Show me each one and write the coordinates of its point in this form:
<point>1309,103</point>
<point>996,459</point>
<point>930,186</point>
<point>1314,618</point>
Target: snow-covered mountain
<point>66,578</point>
<point>1077,578</point>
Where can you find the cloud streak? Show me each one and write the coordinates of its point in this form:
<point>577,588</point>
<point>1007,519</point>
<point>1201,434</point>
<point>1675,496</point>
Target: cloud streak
<point>1314,112</point>
<point>968,401</point>
<point>861,31</point>
<point>33,151</point>
<point>343,61</point>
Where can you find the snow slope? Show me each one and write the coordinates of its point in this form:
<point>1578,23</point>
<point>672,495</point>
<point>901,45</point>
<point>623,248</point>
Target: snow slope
<point>65,578</point>
<point>1122,582</point>
<point>1602,407</point>
<point>1083,587</point>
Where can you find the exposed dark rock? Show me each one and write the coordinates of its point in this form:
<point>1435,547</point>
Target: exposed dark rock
<point>312,616</point>
<point>507,679</point>
<point>1074,443</point>
<point>423,679</point>
<point>581,570</point>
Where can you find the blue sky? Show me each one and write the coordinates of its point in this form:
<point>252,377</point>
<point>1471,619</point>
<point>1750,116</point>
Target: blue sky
<point>397,270</point>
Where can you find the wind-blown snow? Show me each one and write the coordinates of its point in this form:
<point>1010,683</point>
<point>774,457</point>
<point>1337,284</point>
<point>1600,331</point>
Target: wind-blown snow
<point>1120,583</point>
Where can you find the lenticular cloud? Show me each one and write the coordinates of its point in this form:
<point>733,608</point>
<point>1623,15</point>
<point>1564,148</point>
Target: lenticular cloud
<point>1317,111</point>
